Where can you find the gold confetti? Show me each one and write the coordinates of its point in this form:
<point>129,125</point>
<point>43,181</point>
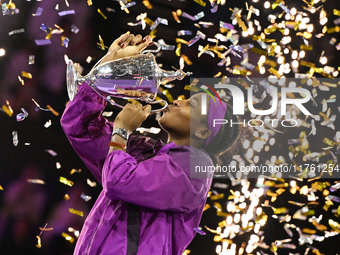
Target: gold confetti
<point>305,47</point>
<point>1,188</point>
<point>80,213</point>
<point>240,22</point>
<point>52,110</point>
<point>66,197</point>
<point>329,142</point>
<point>217,75</point>
<point>167,94</point>
<point>174,14</point>
<point>147,4</point>
<point>21,81</point>
<point>336,12</point>
<point>276,4</point>
<point>275,72</point>
<point>306,63</point>
<point>241,72</point>
<point>39,242</point>
<point>180,40</point>
<point>75,171</point>
<point>101,13</point>
<point>203,50</point>
<point>26,75</point>
<point>65,181</point>
<point>89,2</point>
<point>191,88</point>
<point>7,109</point>
<point>259,51</point>
<point>332,30</point>
<point>45,229</point>
<point>186,60</point>
<point>201,2</point>
<point>68,237</point>
<point>178,49</point>
<point>206,207</point>
<point>293,150</point>
<point>101,43</point>
<point>216,197</point>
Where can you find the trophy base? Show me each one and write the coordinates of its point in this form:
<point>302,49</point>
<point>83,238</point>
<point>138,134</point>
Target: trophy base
<point>71,80</point>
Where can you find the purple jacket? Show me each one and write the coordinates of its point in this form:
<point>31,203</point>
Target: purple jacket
<point>149,205</point>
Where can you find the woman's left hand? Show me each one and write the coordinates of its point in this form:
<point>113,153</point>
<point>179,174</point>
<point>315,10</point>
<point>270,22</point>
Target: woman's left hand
<point>130,45</point>
<point>132,116</point>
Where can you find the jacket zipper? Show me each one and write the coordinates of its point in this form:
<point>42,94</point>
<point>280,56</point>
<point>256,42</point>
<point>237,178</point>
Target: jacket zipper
<point>88,247</point>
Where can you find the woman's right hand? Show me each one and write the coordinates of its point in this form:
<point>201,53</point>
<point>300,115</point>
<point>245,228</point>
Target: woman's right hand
<point>129,44</point>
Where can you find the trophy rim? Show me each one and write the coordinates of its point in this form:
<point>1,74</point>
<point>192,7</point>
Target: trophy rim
<point>71,80</point>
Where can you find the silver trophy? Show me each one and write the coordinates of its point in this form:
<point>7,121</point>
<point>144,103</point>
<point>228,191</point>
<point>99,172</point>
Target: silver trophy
<point>119,78</point>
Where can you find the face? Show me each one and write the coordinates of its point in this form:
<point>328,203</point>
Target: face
<point>183,115</point>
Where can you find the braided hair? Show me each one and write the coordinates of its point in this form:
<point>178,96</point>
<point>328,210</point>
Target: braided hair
<point>225,139</point>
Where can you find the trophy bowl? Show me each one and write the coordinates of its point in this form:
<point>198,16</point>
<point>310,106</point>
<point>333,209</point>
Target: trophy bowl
<point>121,77</point>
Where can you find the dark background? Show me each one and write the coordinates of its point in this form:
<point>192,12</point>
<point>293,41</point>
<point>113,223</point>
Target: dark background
<point>25,206</point>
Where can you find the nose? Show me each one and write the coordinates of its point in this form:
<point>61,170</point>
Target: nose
<point>178,102</point>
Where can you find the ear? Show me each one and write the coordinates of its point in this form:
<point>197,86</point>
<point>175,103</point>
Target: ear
<point>203,133</point>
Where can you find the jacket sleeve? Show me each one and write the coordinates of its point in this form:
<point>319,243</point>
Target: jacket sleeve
<point>88,132</point>
<point>157,183</point>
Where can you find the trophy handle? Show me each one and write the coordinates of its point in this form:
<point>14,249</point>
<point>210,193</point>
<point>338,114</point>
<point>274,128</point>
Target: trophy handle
<point>149,101</point>
<point>159,47</point>
<point>71,79</point>
<point>145,99</point>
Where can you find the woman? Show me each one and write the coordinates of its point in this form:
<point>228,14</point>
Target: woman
<point>149,203</point>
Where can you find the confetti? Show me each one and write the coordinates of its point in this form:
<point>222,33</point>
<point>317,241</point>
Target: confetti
<point>199,231</point>
<point>74,29</point>
<point>80,213</point>
<point>48,124</point>
<point>39,242</point>
<point>85,197</point>
<point>42,42</point>
<point>35,181</point>
<point>91,184</point>
<point>23,115</point>
<point>199,15</point>
<point>101,13</point>
<point>125,7</point>
<point>174,14</point>
<point>157,22</point>
<point>64,41</point>
<point>38,12</point>
<point>51,152</point>
<point>17,31</point>
<point>68,12</point>
<point>67,237</point>
<point>31,59</point>
<point>65,181</point>
<point>184,32</point>
<point>75,171</point>
<point>57,165</point>
<point>15,138</point>
<point>52,110</point>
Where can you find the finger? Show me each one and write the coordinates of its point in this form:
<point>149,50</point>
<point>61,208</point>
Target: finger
<point>123,37</point>
<point>146,38</point>
<point>127,41</point>
<point>142,46</point>
<point>137,39</point>
<point>147,109</point>
<point>119,41</point>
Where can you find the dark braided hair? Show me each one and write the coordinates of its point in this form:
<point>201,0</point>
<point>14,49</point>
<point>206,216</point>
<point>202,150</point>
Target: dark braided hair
<point>225,139</point>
